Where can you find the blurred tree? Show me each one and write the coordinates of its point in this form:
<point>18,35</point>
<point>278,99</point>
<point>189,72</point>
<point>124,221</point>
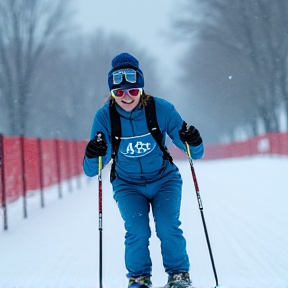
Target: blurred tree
<point>245,42</point>
<point>26,29</point>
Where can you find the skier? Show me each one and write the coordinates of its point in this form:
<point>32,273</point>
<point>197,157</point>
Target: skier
<point>143,175</point>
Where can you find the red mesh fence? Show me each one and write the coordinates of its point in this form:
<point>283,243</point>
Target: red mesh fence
<point>12,168</point>
<point>49,164</point>
<point>25,160</point>
<point>270,143</point>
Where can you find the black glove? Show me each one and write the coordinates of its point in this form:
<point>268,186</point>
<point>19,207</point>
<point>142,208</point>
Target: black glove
<point>190,135</point>
<point>97,146</point>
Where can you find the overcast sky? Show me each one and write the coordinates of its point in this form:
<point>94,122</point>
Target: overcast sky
<point>145,21</point>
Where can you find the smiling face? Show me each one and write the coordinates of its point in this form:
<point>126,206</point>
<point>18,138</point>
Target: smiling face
<point>127,102</point>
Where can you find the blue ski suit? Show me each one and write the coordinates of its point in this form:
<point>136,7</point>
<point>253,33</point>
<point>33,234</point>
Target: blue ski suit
<point>144,181</point>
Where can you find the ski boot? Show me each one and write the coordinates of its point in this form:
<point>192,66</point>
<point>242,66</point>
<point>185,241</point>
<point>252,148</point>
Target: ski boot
<point>178,280</point>
<point>140,282</point>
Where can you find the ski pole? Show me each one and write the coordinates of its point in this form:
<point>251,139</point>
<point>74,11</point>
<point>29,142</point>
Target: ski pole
<point>100,219</point>
<point>201,209</point>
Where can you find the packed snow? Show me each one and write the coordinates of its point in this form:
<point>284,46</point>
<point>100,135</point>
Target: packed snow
<point>245,207</point>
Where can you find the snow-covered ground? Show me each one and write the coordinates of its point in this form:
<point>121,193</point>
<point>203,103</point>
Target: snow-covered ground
<point>246,210</point>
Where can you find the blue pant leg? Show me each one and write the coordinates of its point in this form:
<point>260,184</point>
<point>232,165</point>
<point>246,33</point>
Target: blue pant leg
<point>166,210</point>
<point>134,208</point>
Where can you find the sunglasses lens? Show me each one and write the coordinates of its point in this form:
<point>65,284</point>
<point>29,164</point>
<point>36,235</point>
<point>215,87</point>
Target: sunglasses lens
<point>134,92</point>
<point>118,93</point>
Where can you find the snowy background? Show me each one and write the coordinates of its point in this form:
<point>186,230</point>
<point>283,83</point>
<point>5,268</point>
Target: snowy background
<point>245,206</point>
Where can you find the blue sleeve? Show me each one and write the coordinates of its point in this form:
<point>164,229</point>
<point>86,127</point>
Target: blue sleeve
<point>101,124</point>
<point>174,123</point>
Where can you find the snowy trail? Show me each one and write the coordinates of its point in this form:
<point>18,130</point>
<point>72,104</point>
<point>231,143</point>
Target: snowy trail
<point>245,206</point>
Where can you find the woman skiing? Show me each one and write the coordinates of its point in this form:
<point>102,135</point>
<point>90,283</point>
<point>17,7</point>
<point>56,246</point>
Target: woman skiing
<point>143,175</point>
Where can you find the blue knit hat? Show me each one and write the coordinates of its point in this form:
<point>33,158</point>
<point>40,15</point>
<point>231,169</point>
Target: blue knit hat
<point>125,60</point>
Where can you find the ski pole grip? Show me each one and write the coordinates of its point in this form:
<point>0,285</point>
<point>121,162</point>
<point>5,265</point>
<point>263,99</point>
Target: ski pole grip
<point>188,150</point>
<point>99,166</point>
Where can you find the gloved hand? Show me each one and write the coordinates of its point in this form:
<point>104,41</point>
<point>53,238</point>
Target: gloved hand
<point>190,135</point>
<point>97,146</point>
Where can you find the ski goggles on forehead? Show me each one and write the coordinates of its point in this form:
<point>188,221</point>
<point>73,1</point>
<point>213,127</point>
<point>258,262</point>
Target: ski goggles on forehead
<point>133,92</point>
<point>129,74</point>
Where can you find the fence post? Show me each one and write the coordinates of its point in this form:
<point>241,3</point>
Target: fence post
<point>2,171</point>
<point>41,182</point>
<point>24,186</point>
<point>58,168</point>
